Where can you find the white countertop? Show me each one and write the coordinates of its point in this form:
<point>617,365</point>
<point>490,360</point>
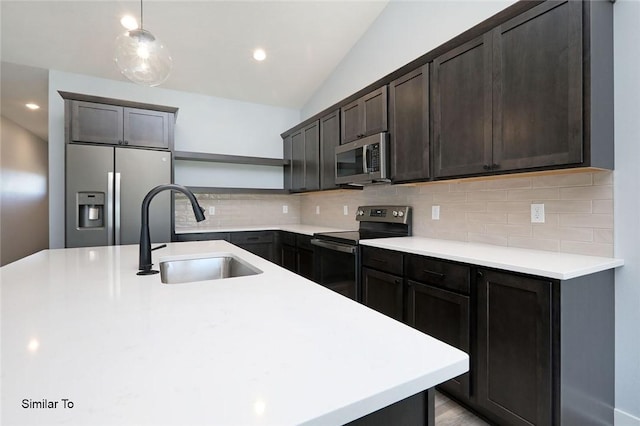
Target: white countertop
<point>268,349</point>
<point>562,266</point>
<point>297,228</point>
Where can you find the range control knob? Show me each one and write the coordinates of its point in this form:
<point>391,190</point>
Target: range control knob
<point>395,213</point>
<point>360,213</point>
<point>400,213</point>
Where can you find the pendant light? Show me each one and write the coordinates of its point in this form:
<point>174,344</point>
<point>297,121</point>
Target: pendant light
<point>141,57</point>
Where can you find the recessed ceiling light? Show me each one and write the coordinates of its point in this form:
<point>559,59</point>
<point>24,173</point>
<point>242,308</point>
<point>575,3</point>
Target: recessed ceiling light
<point>259,55</point>
<point>129,22</point>
<point>32,106</point>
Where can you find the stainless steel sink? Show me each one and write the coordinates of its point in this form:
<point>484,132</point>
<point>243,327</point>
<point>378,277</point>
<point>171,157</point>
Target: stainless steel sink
<point>205,268</point>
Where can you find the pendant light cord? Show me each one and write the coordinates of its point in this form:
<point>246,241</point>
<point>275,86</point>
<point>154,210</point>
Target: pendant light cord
<point>141,17</point>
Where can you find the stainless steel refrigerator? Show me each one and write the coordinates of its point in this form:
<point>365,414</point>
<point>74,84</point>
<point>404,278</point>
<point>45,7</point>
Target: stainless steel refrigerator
<point>105,186</point>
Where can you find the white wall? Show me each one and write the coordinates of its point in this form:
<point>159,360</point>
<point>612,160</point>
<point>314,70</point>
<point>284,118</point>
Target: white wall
<point>404,31</point>
<point>24,228</point>
<point>627,209</point>
<point>205,124</point>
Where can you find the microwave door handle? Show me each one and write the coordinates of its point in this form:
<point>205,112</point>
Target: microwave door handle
<point>365,162</point>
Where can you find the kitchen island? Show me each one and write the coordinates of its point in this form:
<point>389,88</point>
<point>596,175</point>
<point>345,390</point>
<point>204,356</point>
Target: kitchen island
<point>87,341</point>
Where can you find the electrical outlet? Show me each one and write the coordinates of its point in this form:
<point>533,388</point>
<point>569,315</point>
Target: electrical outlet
<point>345,210</point>
<point>317,209</point>
<point>537,213</point>
<point>285,209</point>
<point>212,210</point>
<point>435,212</point>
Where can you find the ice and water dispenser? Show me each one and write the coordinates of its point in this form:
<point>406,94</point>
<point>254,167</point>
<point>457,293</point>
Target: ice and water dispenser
<point>90,208</point>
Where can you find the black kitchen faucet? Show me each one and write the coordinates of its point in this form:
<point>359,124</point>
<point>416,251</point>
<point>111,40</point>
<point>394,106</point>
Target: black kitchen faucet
<point>145,264</point>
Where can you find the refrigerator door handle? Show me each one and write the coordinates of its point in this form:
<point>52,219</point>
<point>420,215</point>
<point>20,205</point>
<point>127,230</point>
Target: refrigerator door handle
<point>117,209</point>
<point>110,208</point>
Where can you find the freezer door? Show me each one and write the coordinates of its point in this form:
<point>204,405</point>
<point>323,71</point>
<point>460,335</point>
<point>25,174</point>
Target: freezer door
<point>89,179</point>
<point>137,172</point>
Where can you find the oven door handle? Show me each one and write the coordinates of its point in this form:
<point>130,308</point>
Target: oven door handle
<point>344,248</point>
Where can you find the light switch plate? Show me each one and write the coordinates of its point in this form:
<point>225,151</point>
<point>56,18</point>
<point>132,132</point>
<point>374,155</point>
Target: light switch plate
<point>537,213</point>
<point>285,209</point>
<point>435,212</point>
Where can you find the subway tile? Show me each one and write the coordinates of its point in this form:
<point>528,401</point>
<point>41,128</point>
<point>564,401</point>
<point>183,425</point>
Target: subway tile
<point>604,177</point>
<point>447,197</point>
<point>434,187</point>
<point>468,186</point>
<point>496,240</point>
<point>533,195</point>
<point>587,193</point>
<point>445,208</point>
<point>495,195</point>
<point>507,230</point>
<point>508,183</point>
<point>602,206</point>
<point>587,220</point>
<point>567,206</point>
<point>509,206</point>
<point>493,217</point>
<point>562,180</point>
<point>589,249</point>
<point>534,244</point>
<point>563,233</point>
<point>603,236</point>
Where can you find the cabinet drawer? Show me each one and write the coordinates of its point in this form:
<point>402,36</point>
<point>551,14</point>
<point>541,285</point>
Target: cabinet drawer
<point>251,237</point>
<point>439,273</point>
<point>288,238</point>
<point>202,236</point>
<point>304,242</point>
<point>382,260</point>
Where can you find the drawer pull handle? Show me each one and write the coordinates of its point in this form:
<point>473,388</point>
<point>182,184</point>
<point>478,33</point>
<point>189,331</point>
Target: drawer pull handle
<point>437,275</point>
<point>379,260</point>
<point>253,238</point>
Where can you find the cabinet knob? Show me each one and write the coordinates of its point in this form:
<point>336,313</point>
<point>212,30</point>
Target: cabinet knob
<point>486,167</point>
<point>495,166</point>
<point>126,142</point>
<point>119,142</point>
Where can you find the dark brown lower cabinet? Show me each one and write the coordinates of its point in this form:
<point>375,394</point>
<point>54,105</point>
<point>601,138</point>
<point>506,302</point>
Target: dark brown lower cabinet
<point>304,256</point>
<point>383,292</point>
<point>444,315</point>
<point>515,348</point>
<point>261,243</point>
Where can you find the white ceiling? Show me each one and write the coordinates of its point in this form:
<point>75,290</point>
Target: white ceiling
<point>211,43</point>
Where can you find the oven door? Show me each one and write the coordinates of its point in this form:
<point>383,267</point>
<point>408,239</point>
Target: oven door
<point>336,266</point>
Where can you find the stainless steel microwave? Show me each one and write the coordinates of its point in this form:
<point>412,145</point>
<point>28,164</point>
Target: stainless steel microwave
<point>363,161</point>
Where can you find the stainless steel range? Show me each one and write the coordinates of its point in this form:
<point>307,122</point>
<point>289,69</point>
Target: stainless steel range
<point>337,254</point>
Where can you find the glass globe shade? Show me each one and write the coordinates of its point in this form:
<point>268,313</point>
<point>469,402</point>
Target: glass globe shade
<point>142,58</point>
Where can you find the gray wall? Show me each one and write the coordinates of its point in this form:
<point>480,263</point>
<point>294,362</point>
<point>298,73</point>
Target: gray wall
<point>405,30</point>
<point>24,227</point>
<point>627,209</point>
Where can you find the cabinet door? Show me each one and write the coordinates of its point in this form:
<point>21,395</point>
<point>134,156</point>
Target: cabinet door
<point>351,121</point>
<point>444,315</point>
<point>374,110</point>
<point>329,140</point>
<point>537,112</point>
<point>409,117</point>
<point>260,243</point>
<point>462,102</point>
<point>289,257</point>
<point>297,161</point>
<point>146,128</point>
<point>514,360</point>
<point>311,135</point>
<point>96,123</point>
<point>305,263</point>
<point>287,170</point>
<point>382,292</point>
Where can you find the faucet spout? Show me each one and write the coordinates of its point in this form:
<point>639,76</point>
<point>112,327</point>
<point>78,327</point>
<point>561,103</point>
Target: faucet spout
<point>144,263</point>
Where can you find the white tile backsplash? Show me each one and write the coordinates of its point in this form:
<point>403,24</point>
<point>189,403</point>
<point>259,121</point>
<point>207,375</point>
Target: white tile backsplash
<point>495,210</point>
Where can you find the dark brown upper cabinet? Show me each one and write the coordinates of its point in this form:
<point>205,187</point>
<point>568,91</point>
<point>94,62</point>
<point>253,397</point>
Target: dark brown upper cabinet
<point>409,126</point>
<point>520,96</point>
<point>365,116</point>
<point>117,125</point>
<point>329,140</point>
<point>302,149</point>
<point>462,109</point>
